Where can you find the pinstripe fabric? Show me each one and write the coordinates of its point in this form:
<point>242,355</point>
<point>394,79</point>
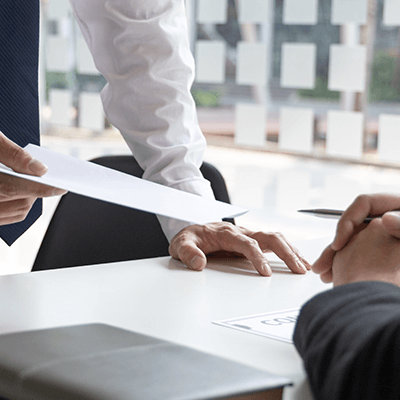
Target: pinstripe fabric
<point>19,108</point>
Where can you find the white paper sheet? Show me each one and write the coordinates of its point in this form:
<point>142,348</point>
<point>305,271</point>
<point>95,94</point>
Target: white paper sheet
<point>88,179</point>
<point>389,138</point>
<point>298,65</point>
<point>391,13</point>
<point>210,61</point>
<point>277,325</point>
<point>344,136</point>
<point>250,125</point>
<point>296,129</point>
<point>300,12</point>
<point>347,68</point>
<point>254,11</point>
<point>251,64</point>
<point>349,11</point>
<point>212,11</point>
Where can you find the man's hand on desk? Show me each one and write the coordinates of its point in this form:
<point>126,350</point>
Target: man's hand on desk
<point>18,195</point>
<point>351,226</point>
<point>194,243</point>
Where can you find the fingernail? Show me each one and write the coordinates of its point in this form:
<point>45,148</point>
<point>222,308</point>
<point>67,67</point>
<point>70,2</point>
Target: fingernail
<point>305,263</point>
<point>58,192</point>
<point>37,167</point>
<point>301,266</point>
<point>267,269</point>
<point>196,263</point>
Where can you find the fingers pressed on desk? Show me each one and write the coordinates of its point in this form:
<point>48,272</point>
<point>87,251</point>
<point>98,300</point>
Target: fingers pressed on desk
<point>193,243</point>
<point>238,240</point>
<point>186,250</point>
<point>278,244</point>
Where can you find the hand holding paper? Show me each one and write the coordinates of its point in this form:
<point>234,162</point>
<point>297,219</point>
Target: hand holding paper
<point>18,195</point>
<point>102,183</point>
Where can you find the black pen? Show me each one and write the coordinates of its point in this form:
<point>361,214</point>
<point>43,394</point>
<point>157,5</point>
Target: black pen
<point>327,213</point>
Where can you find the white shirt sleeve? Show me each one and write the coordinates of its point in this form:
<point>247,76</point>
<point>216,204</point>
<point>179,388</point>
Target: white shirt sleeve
<point>141,47</point>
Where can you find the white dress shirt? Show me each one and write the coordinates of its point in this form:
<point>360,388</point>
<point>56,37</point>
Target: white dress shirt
<point>142,49</point>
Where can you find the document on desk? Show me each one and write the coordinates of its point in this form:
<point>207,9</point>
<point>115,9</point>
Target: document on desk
<point>92,180</point>
<point>277,325</point>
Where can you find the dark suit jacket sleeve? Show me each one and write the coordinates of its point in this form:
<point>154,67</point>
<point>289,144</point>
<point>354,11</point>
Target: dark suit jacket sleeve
<point>349,339</point>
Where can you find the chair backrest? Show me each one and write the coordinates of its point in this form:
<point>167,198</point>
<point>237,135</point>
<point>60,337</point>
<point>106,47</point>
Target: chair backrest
<point>86,231</point>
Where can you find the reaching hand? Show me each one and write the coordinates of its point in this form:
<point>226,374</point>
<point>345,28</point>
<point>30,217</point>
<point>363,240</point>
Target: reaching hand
<point>193,243</point>
<point>18,195</point>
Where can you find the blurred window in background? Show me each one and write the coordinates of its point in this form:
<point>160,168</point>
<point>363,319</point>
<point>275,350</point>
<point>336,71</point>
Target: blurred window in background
<point>319,78</point>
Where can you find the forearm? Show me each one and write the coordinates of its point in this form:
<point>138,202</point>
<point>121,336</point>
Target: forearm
<point>349,341</point>
<point>141,48</point>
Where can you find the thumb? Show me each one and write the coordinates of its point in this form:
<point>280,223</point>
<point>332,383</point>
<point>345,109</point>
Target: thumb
<point>18,159</point>
<point>391,223</point>
<point>189,254</point>
<point>323,264</point>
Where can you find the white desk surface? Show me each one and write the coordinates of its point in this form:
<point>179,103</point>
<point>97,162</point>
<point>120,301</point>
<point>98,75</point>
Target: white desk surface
<point>160,297</point>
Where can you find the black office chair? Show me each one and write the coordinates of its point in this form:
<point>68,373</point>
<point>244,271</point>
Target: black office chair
<point>86,231</point>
